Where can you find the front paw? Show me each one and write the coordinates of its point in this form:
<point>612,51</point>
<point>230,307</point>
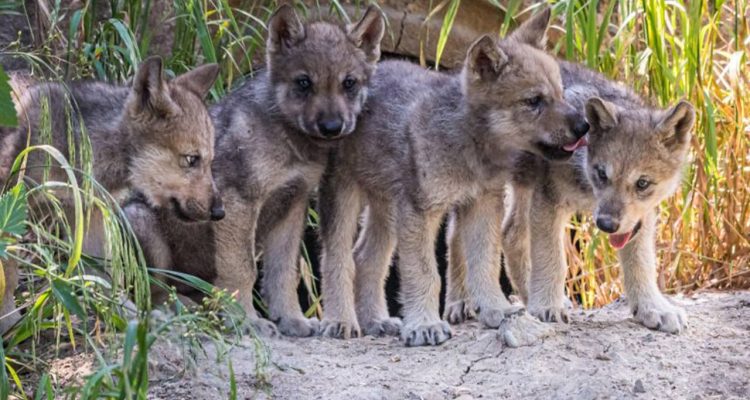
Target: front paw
<point>383,327</point>
<point>661,315</point>
<point>493,317</point>
<point>298,327</point>
<point>339,329</point>
<point>550,313</point>
<point>428,333</point>
<point>457,312</point>
<point>261,327</point>
<point>522,330</point>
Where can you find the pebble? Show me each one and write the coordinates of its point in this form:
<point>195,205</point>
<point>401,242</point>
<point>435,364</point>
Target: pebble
<point>639,388</point>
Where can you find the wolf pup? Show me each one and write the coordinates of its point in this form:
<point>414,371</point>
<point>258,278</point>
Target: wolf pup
<point>273,138</point>
<point>426,142</point>
<point>633,162</point>
<point>155,138</point>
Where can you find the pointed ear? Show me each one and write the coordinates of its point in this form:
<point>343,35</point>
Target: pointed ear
<point>676,126</point>
<point>150,89</point>
<point>199,80</point>
<point>534,31</point>
<point>601,114</point>
<point>485,59</point>
<point>284,29</point>
<point>367,33</point>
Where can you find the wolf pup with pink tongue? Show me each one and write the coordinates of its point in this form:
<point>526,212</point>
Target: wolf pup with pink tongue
<point>633,162</point>
<point>428,142</point>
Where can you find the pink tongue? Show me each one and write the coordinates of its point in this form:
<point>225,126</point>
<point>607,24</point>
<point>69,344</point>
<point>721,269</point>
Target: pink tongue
<point>573,146</point>
<point>619,241</point>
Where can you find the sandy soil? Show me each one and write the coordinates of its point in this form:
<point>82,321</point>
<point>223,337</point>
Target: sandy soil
<point>601,354</point>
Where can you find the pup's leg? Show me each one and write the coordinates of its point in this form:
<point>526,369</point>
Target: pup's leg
<point>144,223</point>
<point>516,240</point>
<point>235,257</point>
<point>649,306</point>
<point>420,281</point>
<point>457,302</point>
<point>480,230</point>
<point>339,208</point>
<point>281,273</point>
<point>372,256</point>
<point>548,266</point>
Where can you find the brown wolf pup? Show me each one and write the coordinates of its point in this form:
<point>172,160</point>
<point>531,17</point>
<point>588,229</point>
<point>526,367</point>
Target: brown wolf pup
<point>154,137</point>
<point>426,143</point>
<point>633,161</point>
<point>273,138</point>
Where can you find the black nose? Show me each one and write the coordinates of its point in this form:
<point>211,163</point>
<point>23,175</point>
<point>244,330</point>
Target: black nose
<point>580,128</point>
<point>217,210</point>
<point>607,224</point>
<point>330,126</point>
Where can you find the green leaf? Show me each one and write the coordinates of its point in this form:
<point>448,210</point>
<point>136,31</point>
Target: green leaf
<point>12,215</point>
<point>232,382</point>
<point>7,109</point>
<point>4,382</point>
<point>44,389</point>
<point>63,291</point>
<point>445,30</point>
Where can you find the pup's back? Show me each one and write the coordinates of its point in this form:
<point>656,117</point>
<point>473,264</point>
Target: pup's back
<point>48,111</point>
<point>581,83</point>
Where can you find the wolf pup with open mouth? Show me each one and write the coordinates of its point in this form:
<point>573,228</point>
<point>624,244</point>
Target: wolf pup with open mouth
<point>633,161</point>
<point>427,142</point>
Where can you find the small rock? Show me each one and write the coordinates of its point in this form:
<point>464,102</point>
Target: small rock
<point>639,388</point>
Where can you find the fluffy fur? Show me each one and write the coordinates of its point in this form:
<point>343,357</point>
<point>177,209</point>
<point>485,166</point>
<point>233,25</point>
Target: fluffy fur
<point>273,138</point>
<point>427,142</point>
<point>633,162</point>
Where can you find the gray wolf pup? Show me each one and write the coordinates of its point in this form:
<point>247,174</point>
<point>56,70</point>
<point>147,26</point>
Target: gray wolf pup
<point>633,162</point>
<point>273,138</point>
<point>427,142</point>
<point>155,137</point>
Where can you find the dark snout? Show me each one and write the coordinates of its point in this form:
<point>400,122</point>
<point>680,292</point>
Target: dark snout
<point>607,223</point>
<point>217,209</point>
<point>578,125</point>
<point>580,128</point>
<point>330,126</point>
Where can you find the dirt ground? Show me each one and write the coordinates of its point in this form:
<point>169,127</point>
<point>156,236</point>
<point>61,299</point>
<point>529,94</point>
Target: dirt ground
<point>601,354</point>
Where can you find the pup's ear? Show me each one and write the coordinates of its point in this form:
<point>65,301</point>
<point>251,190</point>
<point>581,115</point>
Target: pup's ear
<point>284,29</point>
<point>199,80</point>
<point>367,33</point>
<point>674,129</point>
<point>150,92</point>
<point>534,31</point>
<point>601,115</point>
<point>485,60</point>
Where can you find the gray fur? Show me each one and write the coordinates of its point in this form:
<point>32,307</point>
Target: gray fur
<point>132,130</point>
<point>270,155</point>
<point>629,139</point>
<point>426,143</point>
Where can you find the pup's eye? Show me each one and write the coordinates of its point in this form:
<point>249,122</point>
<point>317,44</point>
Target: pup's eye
<point>190,161</point>
<point>601,173</point>
<point>349,83</point>
<point>534,102</point>
<point>303,82</point>
<point>642,184</point>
